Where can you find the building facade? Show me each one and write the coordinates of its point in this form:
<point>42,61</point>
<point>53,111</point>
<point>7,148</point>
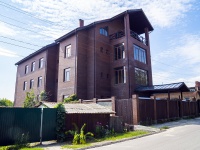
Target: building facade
<point>106,58</point>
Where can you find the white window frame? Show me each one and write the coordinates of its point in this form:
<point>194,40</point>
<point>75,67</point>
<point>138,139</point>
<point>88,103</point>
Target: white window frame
<point>25,85</point>
<point>41,62</point>
<point>66,74</point>
<point>33,66</point>
<point>40,81</point>
<point>140,54</point>
<point>26,69</point>
<point>68,51</point>
<point>31,83</point>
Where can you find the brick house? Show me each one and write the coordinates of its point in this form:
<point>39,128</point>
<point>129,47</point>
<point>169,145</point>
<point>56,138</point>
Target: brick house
<point>103,59</point>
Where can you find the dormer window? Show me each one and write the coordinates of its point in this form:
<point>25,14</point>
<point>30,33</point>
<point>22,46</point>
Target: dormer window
<point>104,31</point>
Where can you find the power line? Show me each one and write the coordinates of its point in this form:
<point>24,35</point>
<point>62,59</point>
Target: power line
<point>17,45</point>
<point>12,54</point>
<point>29,14</point>
<point>20,41</point>
<point>26,29</point>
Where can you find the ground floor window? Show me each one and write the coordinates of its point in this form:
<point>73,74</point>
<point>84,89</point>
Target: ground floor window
<point>141,77</point>
<point>120,75</point>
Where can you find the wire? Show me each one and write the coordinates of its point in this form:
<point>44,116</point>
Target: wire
<point>29,14</point>
<point>26,29</point>
<point>20,41</point>
<point>17,45</point>
<point>11,54</point>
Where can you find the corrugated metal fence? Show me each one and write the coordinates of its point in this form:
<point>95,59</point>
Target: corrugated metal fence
<point>17,121</point>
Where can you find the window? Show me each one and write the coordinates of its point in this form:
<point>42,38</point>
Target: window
<point>39,81</point>
<point>119,51</point>
<point>33,66</point>
<point>120,75</point>
<point>104,31</point>
<point>41,62</point>
<point>66,74</point>
<point>139,54</point>
<point>31,83</point>
<point>26,69</point>
<point>141,77</point>
<point>67,51</point>
<point>25,85</point>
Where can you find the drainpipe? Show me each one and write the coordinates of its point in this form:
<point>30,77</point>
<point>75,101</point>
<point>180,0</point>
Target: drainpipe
<point>94,62</point>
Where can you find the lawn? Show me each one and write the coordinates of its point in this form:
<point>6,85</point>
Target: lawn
<point>116,137</point>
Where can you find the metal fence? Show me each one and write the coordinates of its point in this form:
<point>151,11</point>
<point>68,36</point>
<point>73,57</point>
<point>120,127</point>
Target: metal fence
<point>17,121</point>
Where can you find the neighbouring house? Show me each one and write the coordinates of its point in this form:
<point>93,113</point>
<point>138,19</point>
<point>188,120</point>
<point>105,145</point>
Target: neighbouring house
<point>106,58</point>
<point>83,113</point>
<point>173,91</point>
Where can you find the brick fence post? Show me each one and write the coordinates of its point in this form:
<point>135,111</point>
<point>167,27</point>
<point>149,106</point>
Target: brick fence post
<point>154,109</point>
<point>136,111</point>
<point>113,99</point>
<point>80,101</point>
<point>94,100</point>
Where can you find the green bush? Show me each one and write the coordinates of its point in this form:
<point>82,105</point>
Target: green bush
<point>29,100</point>
<point>60,122</point>
<point>71,98</point>
<point>79,137</point>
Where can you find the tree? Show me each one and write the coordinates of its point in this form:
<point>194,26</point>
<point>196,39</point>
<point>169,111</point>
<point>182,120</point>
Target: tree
<point>6,102</point>
<point>30,100</point>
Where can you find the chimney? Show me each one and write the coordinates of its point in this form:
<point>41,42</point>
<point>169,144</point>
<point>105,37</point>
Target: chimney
<point>81,23</point>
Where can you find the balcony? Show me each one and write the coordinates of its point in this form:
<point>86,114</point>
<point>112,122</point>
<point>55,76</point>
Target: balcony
<point>117,35</point>
<point>133,34</point>
<point>138,37</point>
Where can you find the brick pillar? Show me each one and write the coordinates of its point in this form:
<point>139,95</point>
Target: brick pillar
<point>95,100</point>
<point>113,98</point>
<point>136,111</point>
<point>80,101</point>
<point>146,30</point>
<point>154,108</point>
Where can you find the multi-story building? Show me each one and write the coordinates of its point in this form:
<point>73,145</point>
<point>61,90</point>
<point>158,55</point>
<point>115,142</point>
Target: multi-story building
<point>103,59</point>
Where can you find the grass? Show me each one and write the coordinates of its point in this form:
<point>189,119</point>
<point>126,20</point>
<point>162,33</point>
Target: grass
<point>164,128</point>
<point>117,136</point>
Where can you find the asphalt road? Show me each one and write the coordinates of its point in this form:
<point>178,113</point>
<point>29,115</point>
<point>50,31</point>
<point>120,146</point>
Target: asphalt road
<point>182,137</point>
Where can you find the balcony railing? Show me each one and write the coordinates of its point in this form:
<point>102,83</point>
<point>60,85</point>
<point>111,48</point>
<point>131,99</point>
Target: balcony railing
<point>117,35</point>
<point>138,37</point>
<point>133,34</point>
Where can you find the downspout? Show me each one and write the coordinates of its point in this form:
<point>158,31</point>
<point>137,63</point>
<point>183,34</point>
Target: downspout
<point>75,88</point>
<point>94,62</point>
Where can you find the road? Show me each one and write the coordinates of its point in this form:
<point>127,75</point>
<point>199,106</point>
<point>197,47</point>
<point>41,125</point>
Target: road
<point>183,137</point>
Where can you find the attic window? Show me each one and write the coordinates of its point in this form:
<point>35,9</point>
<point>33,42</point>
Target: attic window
<point>104,31</point>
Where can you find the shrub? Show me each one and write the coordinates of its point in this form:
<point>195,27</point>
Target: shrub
<point>60,122</point>
<point>29,100</point>
<point>79,137</point>
<point>71,98</point>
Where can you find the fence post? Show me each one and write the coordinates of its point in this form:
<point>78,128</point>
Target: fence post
<point>41,126</point>
<point>80,101</point>
<point>136,111</point>
<point>155,109</point>
<point>95,100</point>
<point>168,109</point>
<point>113,99</point>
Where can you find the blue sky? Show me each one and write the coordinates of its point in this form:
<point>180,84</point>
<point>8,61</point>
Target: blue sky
<point>27,25</point>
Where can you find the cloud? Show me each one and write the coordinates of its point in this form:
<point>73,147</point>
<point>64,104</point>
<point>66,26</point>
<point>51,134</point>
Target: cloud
<point>6,30</point>
<point>63,15</point>
<point>186,47</point>
<point>4,52</point>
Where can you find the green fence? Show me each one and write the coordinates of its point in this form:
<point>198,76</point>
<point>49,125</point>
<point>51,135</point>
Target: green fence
<point>17,121</point>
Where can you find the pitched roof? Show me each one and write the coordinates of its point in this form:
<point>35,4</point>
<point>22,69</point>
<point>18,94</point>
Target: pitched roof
<point>35,53</point>
<point>164,88</point>
<point>79,108</point>
<point>134,14</point>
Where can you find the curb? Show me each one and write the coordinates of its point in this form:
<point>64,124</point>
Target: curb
<point>118,141</point>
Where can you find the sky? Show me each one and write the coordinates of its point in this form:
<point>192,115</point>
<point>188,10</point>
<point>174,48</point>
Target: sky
<point>28,25</point>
